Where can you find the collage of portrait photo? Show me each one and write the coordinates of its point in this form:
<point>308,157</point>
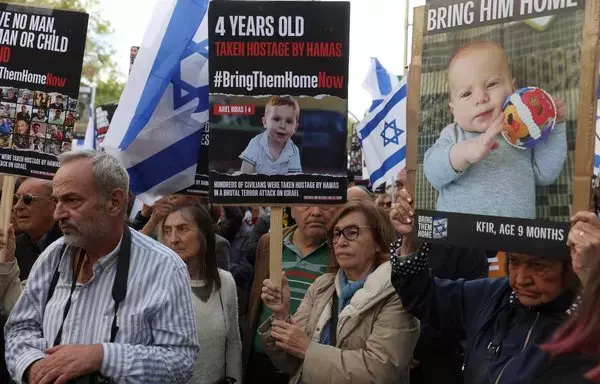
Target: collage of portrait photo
<point>37,121</point>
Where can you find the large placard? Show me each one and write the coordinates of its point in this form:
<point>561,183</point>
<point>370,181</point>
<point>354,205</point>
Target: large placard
<point>498,123</point>
<point>41,55</point>
<point>278,92</point>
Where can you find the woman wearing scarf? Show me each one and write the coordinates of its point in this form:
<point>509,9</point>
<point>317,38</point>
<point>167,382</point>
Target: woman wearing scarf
<point>350,327</point>
<point>575,347</point>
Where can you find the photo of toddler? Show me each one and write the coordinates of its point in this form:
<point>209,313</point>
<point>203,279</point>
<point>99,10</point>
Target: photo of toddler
<point>273,152</point>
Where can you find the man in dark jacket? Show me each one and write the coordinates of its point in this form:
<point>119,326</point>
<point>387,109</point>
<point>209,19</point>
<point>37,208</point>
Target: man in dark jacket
<point>34,216</point>
<point>33,212</point>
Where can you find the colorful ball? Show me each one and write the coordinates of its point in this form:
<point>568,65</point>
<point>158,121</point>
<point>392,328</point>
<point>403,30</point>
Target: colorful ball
<point>530,115</point>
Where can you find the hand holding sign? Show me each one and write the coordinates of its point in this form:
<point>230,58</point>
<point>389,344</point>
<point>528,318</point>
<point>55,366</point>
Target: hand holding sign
<point>402,213</point>
<point>584,241</point>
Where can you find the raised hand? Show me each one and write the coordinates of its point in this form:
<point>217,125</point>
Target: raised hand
<point>471,151</point>
<point>584,242</point>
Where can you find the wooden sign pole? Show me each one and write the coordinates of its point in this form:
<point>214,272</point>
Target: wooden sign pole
<point>275,246</point>
<point>413,106</point>
<point>6,206</point>
<point>586,115</point>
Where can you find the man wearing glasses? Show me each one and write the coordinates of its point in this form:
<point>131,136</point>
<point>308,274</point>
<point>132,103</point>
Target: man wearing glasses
<point>305,257</point>
<point>34,209</point>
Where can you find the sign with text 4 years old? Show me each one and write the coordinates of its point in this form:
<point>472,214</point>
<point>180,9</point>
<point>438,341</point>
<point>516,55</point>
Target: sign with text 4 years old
<point>278,93</point>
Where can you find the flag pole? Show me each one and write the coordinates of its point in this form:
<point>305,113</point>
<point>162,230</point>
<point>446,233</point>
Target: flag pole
<point>406,26</point>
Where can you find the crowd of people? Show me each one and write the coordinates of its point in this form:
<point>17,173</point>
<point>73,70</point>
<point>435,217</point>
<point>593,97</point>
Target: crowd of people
<point>182,293</point>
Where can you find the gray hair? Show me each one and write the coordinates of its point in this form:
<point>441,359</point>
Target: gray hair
<point>109,174</point>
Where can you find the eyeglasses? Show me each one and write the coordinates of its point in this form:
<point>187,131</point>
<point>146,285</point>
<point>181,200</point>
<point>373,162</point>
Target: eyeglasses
<point>28,198</point>
<point>350,233</point>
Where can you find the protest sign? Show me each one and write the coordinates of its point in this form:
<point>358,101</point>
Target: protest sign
<point>201,183</point>
<point>495,160</point>
<point>104,114</point>
<point>83,105</point>
<point>41,55</point>
<point>278,93</point>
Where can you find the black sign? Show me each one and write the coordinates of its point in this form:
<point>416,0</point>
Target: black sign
<point>201,184</point>
<point>534,237</point>
<point>104,115</point>
<point>41,55</point>
<point>449,15</point>
<point>278,92</point>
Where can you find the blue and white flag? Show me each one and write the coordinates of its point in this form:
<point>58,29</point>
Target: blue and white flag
<point>379,82</point>
<point>156,129</point>
<point>383,137</point>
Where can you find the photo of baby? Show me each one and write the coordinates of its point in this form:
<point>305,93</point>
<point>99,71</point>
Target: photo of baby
<point>470,156</point>
<point>273,152</point>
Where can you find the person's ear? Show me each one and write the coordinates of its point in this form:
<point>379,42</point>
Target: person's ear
<point>451,107</point>
<point>115,202</point>
<point>264,122</point>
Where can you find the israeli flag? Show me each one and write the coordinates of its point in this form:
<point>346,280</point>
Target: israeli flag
<point>379,82</point>
<point>156,129</point>
<point>383,137</point>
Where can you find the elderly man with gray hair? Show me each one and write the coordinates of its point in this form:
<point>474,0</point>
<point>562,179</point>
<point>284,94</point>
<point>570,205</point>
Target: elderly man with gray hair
<point>104,303</point>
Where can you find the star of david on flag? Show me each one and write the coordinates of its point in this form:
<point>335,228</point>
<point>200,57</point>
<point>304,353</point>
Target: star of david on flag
<point>156,130</point>
<point>382,138</point>
<point>391,133</point>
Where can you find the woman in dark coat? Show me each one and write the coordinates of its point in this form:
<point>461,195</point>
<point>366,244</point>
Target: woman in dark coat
<point>502,320</point>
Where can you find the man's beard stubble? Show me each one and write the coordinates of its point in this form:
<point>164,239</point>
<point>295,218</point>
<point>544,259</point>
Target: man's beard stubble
<point>90,231</point>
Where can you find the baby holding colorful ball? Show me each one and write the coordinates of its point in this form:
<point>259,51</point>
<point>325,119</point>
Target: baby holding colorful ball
<point>474,170</point>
